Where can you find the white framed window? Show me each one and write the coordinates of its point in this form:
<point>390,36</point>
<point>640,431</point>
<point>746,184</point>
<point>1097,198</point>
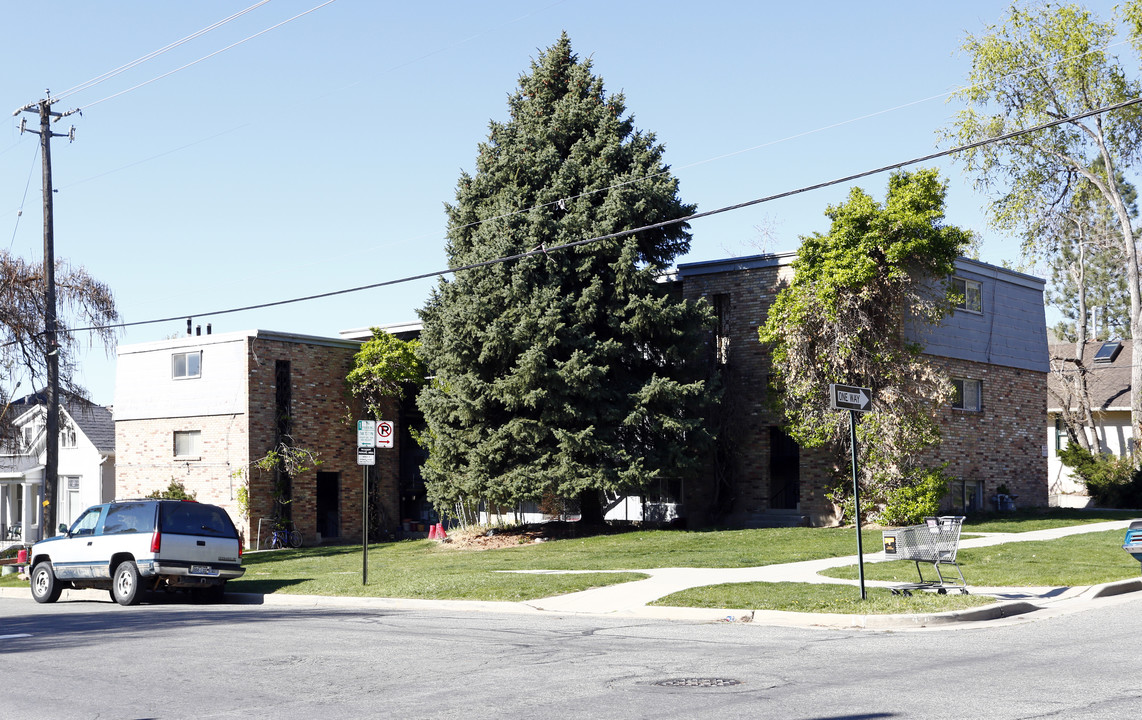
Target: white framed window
<point>186,365</point>
<point>67,437</point>
<point>970,294</point>
<point>29,435</point>
<point>187,443</point>
<point>967,395</point>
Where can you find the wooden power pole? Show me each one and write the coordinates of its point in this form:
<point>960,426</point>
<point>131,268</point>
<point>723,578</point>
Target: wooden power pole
<point>50,482</point>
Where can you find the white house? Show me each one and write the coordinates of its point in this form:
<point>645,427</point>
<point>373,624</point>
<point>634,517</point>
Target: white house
<point>1108,385</point>
<point>86,470</point>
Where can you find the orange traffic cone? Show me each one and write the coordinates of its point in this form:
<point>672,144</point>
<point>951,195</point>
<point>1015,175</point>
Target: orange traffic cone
<point>440,534</point>
<point>431,532</point>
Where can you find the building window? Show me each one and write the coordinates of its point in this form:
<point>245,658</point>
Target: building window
<point>29,436</point>
<point>18,514</point>
<point>186,365</point>
<point>187,443</point>
<point>722,331</point>
<point>970,294</point>
<point>1060,435</point>
<point>67,437</point>
<point>967,395</point>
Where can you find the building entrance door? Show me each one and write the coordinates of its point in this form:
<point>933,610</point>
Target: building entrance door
<point>784,471</point>
<point>329,504</point>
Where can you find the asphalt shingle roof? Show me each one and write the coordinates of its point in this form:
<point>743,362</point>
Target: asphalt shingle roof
<point>1107,383</point>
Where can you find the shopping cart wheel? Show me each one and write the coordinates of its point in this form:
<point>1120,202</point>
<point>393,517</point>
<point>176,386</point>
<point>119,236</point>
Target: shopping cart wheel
<point>964,591</point>
<point>942,591</point>
<point>895,591</point>
<point>907,593</point>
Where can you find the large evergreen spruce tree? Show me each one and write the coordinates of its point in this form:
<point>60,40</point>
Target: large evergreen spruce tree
<point>573,372</point>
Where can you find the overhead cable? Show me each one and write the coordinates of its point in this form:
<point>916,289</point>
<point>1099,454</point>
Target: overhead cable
<point>632,231</point>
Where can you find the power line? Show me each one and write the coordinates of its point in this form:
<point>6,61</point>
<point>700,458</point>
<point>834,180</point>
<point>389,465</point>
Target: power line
<point>795,136</point>
<point>623,233</point>
<point>152,55</point>
<point>207,57</point>
<point>20,211</point>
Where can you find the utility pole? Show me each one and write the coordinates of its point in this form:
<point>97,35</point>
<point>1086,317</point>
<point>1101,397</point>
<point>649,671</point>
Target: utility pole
<point>47,511</point>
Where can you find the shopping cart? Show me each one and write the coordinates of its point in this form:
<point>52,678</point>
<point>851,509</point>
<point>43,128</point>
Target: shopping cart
<point>934,542</point>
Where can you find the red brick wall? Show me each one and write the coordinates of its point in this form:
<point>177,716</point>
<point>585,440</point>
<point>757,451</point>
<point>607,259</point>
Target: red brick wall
<point>146,461</point>
<point>1004,442</point>
<point>1001,444</point>
<point>323,419</point>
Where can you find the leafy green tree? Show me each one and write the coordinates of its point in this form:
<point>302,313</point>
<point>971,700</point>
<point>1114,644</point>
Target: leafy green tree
<point>1084,248</point>
<point>385,367</point>
<point>1049,62</point>
<point>858,294</point>
<point>574,372</point>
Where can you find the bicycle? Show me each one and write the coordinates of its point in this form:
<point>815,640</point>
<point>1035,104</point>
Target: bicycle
<point>283,538</point>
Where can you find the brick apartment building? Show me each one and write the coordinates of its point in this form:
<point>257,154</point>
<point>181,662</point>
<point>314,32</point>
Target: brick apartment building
<point>200,409</point>
<point>994,348</point>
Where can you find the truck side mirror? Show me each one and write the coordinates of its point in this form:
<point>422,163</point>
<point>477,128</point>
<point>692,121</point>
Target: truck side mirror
<point>62,529</point>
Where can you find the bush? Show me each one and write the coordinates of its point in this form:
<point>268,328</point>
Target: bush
<point>910,504</point>
<point>175,491</point>
<point>1112,481</point>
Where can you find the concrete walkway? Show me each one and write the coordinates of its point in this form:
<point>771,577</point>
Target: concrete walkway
<point>631,599</point>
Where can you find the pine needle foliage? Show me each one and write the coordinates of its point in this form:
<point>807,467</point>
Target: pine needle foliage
<point>576,371</point>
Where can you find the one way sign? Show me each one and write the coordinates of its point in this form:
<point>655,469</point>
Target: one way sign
<point>849,397</point>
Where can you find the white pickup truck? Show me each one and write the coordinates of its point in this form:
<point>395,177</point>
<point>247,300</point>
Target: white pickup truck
<point>132,546</point>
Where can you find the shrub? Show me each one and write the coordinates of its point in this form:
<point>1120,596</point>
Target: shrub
<point>1112,481</point>
<point>174,491</point>
<point>920,498</point>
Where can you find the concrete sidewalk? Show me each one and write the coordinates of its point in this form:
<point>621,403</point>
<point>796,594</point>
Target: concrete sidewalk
<point>632,599</point>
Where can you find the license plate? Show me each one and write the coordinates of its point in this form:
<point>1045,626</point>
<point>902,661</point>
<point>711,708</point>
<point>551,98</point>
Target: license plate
<point>203,570</point>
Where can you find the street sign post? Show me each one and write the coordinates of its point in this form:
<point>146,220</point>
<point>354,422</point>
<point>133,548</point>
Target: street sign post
<point>854,399</point>
<point>366,456</point>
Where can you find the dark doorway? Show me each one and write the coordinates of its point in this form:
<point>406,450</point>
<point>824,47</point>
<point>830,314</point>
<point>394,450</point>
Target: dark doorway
<point>328,505</point>
<point>784,471</point>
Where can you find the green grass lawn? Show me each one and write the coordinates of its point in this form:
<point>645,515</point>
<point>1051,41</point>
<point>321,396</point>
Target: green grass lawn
<point>1088,559</point>
<point>808,597</point>
<point>430,570</point>
<point>1029,520</point>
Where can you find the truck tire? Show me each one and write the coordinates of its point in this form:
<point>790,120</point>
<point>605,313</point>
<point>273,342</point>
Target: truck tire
<point>45,587</point>
<point>125,584</point>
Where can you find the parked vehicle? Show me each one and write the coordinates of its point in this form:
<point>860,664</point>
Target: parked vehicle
<point>130,547</point>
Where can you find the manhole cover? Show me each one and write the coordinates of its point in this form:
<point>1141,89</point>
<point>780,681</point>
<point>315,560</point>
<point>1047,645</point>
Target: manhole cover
<point>699,682</point>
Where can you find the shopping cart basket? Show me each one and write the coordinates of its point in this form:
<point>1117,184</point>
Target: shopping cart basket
<point>934,542</point>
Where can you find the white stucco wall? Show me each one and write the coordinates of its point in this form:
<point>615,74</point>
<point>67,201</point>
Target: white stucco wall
<point>145,389</point>
<point>1113,435</point>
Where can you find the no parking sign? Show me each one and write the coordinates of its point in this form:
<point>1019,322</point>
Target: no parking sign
<point>385,431</point>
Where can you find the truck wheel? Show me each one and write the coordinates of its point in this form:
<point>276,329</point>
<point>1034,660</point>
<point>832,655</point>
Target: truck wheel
<point>45,587</point>
<point>125,585</point>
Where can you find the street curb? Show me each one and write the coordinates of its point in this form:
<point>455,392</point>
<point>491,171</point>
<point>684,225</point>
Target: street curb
<point>1079,597</point>
<point>1118,587</point>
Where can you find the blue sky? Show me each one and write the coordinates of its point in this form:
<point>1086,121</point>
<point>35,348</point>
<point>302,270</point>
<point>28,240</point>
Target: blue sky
<point>318,155</point>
